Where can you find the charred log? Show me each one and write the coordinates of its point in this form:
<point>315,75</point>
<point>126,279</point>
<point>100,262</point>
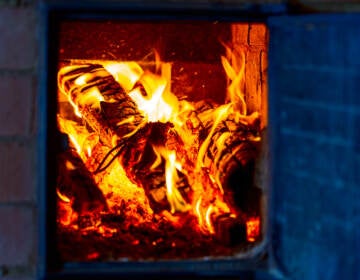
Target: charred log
<point>234,164</point>
<point>118,118</point>
<point>77,183</point>
<point>229,231</point>
<point>117,115</point>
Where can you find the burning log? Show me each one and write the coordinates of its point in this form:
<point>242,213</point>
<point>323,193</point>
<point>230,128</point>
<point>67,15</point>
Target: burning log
<point>235,164</point>
<point>113,115</point>
<point>77,183</point>
<point>232,143</point>
<point>213,142</point>
<point>100,100</point>
<point>229,231</point>
<point>232,153</point>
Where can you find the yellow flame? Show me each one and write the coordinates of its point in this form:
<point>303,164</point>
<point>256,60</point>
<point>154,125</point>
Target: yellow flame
<point>149,105</point>
<point>155,101</point>
<point>174,197</point>
<point>125,73</point>
<point>220,114</point>
<point>235,71</point>
<point>209,224</point>
<point>198,211</point>
<point>75,143</point>
<point>82,140</point>
<point>89,151</point>
<point>114,183</point>
<point>159,105</point>
<point>64,198</point>
<point>92,98</point>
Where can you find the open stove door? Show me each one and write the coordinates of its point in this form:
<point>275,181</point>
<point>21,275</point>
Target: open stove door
<point>313,93</point>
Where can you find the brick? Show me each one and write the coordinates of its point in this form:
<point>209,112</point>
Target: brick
<point>16,173</point>
<point>240,33</point>
<point>17,240</point>
<point>8,2</point>
<point>134,41</point>
<point>264,87</point>
<point>258,34</point>
<point>16,104</point>
<point>253,81</point>
<point>17,38</point>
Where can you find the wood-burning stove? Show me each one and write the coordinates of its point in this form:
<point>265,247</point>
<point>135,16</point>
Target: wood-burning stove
<point>155,136</point>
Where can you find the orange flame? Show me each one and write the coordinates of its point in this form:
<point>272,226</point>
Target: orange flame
<point>66,214</point>
<point>156,102</point>
<point>176,201</point>
<point>159,105</point>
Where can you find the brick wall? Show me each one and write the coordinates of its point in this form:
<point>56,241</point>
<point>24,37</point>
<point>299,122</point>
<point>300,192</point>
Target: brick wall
<point>308,243</point>
<point>18,60</point>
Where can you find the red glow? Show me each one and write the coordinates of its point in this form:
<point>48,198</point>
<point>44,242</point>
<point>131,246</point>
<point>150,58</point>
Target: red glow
<point>252,229</point>
<point>93,256</point>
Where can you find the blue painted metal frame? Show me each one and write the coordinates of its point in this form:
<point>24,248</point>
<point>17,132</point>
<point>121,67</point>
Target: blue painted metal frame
<point>276,93</point>
<point>51,14</point>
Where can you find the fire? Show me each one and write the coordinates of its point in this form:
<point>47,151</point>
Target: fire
<point>235,72</point>
<point>66,214</point>
<point>253,229</point>
<point>154,107</point>
<point>143,146</point>
<point>125,73</point>
<point>175,199</point>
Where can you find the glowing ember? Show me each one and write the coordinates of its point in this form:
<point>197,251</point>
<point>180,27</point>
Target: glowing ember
<point>253,229</point>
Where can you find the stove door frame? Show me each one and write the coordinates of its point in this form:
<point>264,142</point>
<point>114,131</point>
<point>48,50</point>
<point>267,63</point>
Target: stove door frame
<point>50,266</point>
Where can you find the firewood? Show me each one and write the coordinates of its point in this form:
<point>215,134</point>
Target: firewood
<point>229,231</point>
<point>232,160</point>
<point>119,118</point>
<point>231,147</point>
<point>118,114</point>
<point>77,183</point>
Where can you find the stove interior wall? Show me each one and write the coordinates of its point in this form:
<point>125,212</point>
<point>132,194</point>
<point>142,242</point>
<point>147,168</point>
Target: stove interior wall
<point>193,48</point>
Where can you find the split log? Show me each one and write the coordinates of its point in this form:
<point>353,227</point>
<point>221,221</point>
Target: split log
<point>233,143</point>
<point>231,158</point>
<point>230,155</point>
<point>117,115</point>
<point>118,118</point>
<point>232,149</point>
<point>77,183</point>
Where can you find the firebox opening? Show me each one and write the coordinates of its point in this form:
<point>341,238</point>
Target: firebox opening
<point>164,126</point>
